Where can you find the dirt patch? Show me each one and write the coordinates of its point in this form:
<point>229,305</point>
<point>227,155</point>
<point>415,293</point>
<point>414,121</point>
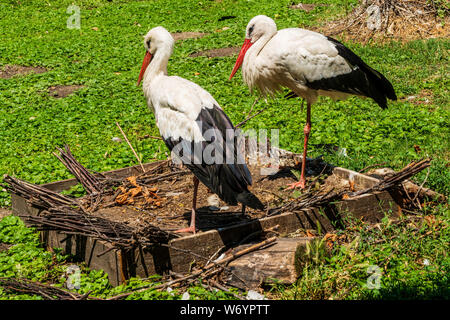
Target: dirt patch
<point>9,71</point>
<point>306,6</point>
<point>187,35</point>
<point>4,246</point>
<point>4,213</point>
<point>170,209</point>
<point>425,96</point>
<point>385,20</point>
<point>221,52</point>
<point>62,91</point>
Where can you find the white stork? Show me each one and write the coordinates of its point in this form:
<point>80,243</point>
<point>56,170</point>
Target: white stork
<point>309,64</point>
<point>185,114</point>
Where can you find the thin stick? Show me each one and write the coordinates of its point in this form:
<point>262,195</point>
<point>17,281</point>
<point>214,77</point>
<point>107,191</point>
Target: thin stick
<point>132,149</point>
<point>147,136</point>
<point>249,118</point>
<point>223,288</point>
<point>423,183</point>
<point>245,251</point>
<point>372,166</point>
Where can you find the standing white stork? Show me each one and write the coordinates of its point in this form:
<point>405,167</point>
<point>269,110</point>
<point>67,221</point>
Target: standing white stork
<point>186,115</point>
<point>308,63</point>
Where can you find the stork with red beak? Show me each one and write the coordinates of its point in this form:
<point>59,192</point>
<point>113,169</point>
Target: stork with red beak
<point>309,64</point>
<point>191,122</point>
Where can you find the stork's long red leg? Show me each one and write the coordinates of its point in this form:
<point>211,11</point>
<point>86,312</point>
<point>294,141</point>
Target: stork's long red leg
<point>306,131</point>
<point>194,207</point>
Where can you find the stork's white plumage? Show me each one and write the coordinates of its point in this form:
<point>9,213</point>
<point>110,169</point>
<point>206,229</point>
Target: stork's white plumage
<point>186,116</point>
<point>308,63</point>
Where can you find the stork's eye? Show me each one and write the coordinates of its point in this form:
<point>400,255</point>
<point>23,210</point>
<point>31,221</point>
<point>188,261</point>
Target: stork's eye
<point>250,30</point>
<point>148,44</point>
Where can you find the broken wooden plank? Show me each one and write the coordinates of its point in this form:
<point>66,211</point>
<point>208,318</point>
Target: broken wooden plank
<point>277,263</point>
<point>371,207</point>
<point>361,181</point>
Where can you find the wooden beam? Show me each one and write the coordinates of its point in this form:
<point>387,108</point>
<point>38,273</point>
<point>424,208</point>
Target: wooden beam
<point>281,262</point>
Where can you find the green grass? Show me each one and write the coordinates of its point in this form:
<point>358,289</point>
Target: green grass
<point>411,256</point>
<point>27,259</point>
<point>108,61</point>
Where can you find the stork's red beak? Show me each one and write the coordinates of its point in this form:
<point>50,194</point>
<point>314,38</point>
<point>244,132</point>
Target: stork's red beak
<point>247,44</point>
<point>145,63</point>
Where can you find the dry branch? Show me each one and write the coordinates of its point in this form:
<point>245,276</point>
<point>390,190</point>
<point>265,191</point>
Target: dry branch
<point>90,183</point>
<point>37,195</point>
<point>120,235</point>
<point>316,198</point>
<point>46,291</point>
<point>404,19</point>
<point>396,178</point>
<point>132,149</point>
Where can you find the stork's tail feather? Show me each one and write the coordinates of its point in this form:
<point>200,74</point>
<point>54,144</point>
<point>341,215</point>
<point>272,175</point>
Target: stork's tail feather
<point>383,84</point>
<point>249,199</point>
<point>363,80</point>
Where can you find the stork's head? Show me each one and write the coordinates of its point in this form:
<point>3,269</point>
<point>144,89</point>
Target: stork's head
<point>156,40</point>
<point>258,27</point>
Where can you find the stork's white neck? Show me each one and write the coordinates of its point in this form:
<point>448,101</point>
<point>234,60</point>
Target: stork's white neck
<point>249,66</point>
<point>260,43</point>
<point>158,66</point>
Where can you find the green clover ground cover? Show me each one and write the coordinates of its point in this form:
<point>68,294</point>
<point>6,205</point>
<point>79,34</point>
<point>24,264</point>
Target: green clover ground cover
<point>105,56</point>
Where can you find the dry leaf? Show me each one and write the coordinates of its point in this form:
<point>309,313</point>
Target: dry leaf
<point>309,234</point>
<point>330,238</point>
<point>132,180</point>
<point>135,191</point>
<point>417,148</point>
<point>121,199</point>
<point>352,185</point>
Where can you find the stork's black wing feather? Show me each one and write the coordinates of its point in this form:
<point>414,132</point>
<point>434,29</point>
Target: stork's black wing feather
<point>362,80</point>
<point>228,180</point>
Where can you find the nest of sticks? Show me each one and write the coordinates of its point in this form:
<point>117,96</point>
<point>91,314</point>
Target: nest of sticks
<point>73,216</point>
<point>403,20</point>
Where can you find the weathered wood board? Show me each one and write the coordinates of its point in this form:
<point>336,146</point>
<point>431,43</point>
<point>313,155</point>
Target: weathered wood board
<point>280,262</point>
<point>120,265</point>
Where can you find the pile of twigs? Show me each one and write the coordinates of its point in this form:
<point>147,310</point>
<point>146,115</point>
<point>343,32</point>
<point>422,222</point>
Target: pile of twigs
<point>89,182</point>
<point>119,234</point>
<point>316,198</point>
<point>66,214</point>
<point>397,178</point>
<point>153,176</point>
<point>46,291</point>
<point>38,196</point>
<point>392,18</point>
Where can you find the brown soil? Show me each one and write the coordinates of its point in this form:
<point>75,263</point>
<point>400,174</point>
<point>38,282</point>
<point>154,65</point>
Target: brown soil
<point>9,71</point>
<point>187,35</point>
<point>62,91</point>
<point>401,20</point>
<point>5,246</point>
<point>4,213</point>
<point>170,209</point>
<point>221,52</point>
<point>425,96</point>
<point>306,6</point>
